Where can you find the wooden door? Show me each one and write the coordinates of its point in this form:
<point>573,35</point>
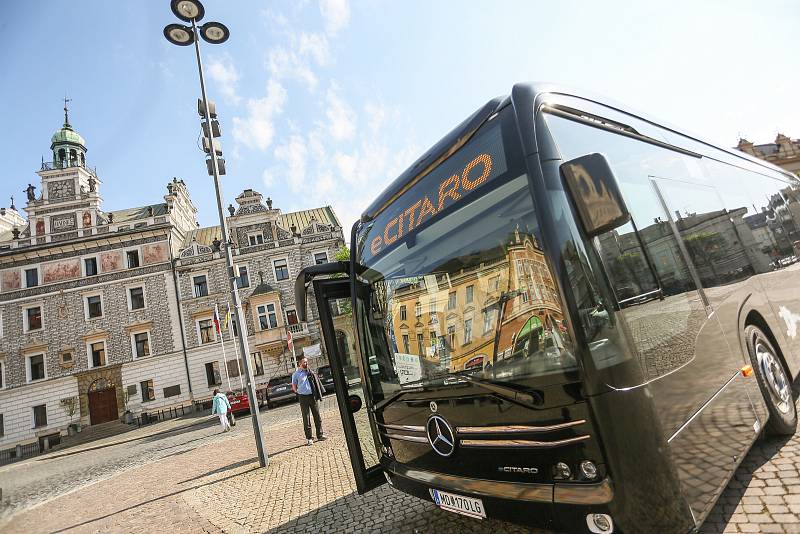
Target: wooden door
<point>103,406</point>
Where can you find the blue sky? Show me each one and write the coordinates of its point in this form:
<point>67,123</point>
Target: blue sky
<point>326,101</point>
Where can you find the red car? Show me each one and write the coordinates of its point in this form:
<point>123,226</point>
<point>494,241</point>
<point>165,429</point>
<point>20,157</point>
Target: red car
<point>240,403</point>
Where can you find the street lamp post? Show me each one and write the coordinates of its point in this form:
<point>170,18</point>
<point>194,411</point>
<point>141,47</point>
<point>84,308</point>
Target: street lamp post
<point>216,33</point>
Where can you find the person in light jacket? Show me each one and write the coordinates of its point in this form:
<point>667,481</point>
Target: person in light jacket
<point>308,386</point>
<point>220,406</point>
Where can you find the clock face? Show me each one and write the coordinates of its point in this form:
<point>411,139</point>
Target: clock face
<point>61,189</point>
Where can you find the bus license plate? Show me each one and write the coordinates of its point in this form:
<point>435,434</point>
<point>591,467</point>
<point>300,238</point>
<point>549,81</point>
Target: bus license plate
<point>459,504</point>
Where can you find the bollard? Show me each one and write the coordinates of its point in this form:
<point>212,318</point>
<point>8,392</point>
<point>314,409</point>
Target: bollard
<point>18,451</point>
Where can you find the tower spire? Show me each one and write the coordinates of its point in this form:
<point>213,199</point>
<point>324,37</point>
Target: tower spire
<point>66,111</point>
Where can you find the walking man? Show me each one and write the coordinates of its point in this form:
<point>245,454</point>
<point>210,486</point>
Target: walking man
<point>308,387</point>
<point>220,406</point>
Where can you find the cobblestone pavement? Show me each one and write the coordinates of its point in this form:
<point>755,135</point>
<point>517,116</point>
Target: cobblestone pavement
<point>213,484</point>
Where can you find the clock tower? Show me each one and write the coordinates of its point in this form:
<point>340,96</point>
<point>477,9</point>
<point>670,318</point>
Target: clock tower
<point>68,204</point>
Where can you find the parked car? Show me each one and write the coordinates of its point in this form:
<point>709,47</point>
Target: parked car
<point>240,402</point>
<point>279,390</point>
<point>326,376</point>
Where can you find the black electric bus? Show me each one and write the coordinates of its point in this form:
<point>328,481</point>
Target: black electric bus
<point>566,314</point>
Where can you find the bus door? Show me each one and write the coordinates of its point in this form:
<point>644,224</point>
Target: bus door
<point>350,380</point>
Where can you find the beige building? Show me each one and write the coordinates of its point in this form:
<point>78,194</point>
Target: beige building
<point>784,152</point>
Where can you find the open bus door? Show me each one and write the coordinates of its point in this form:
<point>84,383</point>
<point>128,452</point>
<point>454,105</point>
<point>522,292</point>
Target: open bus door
<point>349,377</point>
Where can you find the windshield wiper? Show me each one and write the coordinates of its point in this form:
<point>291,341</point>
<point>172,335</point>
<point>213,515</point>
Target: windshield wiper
<point>530,400</point>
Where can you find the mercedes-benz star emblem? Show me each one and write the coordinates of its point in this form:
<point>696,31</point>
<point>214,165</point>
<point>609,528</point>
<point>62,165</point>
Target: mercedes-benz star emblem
<point>433,406</point>
<point>440,436</point>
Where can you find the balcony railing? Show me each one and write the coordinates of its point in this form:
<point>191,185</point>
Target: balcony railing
<point>52,166</point>
<point>298,329</point>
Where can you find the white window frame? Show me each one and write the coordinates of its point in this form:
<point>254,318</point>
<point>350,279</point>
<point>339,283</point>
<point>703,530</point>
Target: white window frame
<point>1,324</point>
<point>25,309</point>
<point>33,416</point>
<point>288,269</point>
<point>128,296</point>
<point>89,353</point>
<point>24,277</point>
<point>315,252</point>
<point>149,342</point>
<point>286,311</point>
<point>86,297</point>
<point>246,266</point>
<point>468,339</point>
<point>197,329</point>
<point>256,236</point>
<point>83,265</point>
<point>138,251</point>
<point>28,357</point>
<point>403,312</point>
<point>266,313</point>
<point>208,286</point>
<point>3,373</point>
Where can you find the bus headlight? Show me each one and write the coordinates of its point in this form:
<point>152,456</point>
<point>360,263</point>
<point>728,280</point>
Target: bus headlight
<point>588,470</point>
<point>562,471</point>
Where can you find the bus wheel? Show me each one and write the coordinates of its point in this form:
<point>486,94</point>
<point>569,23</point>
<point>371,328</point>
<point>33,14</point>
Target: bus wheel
<point>773,381</point>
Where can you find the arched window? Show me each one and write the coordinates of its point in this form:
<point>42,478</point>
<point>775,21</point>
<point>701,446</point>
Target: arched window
<point>62,155</point>
<point>73,155</point>
<point>83,159</point>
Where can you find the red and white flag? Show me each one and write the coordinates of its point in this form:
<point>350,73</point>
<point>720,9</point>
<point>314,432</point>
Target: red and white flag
<point>216,319</point>
<point>290,341</point>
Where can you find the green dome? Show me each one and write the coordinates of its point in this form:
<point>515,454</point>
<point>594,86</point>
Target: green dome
<point>67,135</point>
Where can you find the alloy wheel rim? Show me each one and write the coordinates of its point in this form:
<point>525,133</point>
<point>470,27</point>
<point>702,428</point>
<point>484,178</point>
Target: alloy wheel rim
<point>773,374</point>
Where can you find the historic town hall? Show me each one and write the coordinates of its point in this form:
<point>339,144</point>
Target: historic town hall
<point>108,312</point>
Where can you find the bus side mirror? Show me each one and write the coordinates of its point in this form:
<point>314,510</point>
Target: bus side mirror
<point>593,188</point>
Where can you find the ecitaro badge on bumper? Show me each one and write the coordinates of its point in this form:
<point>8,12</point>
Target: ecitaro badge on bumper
<point>459,504</point>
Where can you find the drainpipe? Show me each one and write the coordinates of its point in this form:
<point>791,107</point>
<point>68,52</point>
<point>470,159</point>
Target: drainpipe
<point>173,261</point>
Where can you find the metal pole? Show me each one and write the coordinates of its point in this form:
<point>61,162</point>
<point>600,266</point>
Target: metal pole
<point>237,304</point>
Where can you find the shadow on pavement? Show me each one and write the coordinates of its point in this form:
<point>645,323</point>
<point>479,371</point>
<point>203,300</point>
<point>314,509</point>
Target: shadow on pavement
<point>234,465</point>
<point>149,501</point>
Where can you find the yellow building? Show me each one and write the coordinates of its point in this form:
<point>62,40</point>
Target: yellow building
<point>450,319</point>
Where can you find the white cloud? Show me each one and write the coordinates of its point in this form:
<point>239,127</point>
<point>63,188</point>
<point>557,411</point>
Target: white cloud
<point>376,115</point>
<point>341,118</point>
<point>294,154</point>
<point>314,45</point>
<point>297,61</point>
<point>257,129</point>
<point>267,178</point>
<point>336,14</point>
<point>224,74</point>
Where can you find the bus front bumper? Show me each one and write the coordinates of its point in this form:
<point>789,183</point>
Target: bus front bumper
<point>544,505</point>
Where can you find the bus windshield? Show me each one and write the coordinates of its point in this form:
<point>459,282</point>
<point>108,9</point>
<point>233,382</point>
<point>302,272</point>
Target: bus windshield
<point>463,288</point>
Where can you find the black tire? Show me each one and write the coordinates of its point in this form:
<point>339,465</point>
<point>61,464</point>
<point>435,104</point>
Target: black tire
<point>774,382</point>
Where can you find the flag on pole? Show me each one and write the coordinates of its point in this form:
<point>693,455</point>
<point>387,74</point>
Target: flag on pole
<point>289,341</point>
<point>216,319</point>
<point>227,316</point>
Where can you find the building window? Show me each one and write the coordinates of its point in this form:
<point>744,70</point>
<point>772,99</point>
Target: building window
<point>451,336</point>
<point>2,375</point>
<point>2,427</point>
<point>420,344</point>
<point>243,280</point>
<point>451,300</point>
<point>133,258</point>
<point>212,374</point>
<point>31,277</point>
<point>432,307</point>
<point>136,295</point>
<point>234,368</point>
<point>33,318</point>
<point>470,293</point>
<point>148,392</point>
<point>141,344</point>
<point>258,364</point>
<point>36,368</point>
<point>200,285</point>
<point>525,296</point>
<point>66,358</point>
<point>267,318</point>
<point>90,266</point>
<point>172,391</point>
<point>320,258</point>
<point>255,239</point>
<point>467,331</point>
<point>418,310</point>
<point>406,346</point>
<point>281,270</point>
<point>97,354</point>
<point>205,327</point>
<point>40,416</point>
<point>94,307</point>
<point>291,317</point>
<point>403,312</point>
<point>234,327</point>
<point>494,283</point>
<point>487,321</point>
